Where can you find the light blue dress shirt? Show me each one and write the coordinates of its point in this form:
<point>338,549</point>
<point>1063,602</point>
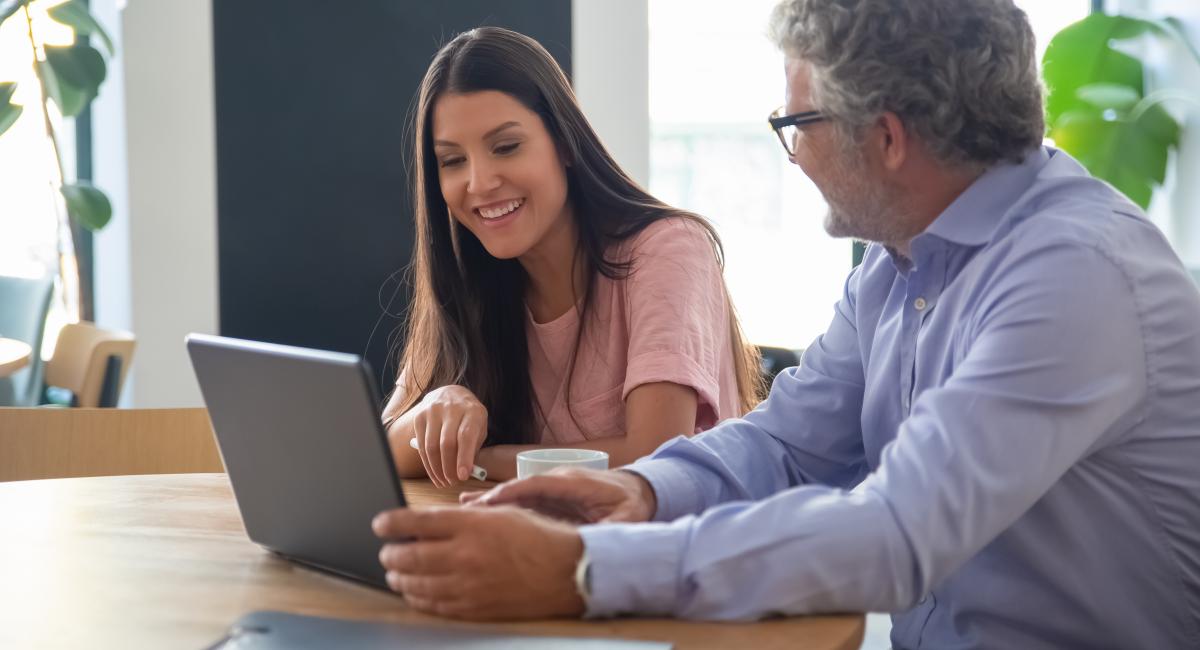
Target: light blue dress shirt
<point>998,442</point>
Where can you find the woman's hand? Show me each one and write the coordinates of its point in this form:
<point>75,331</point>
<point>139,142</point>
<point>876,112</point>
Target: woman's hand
<point>449,425</point>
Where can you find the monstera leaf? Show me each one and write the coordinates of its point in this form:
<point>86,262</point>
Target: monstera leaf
<point>1097,109</point>
<point>9,112</point>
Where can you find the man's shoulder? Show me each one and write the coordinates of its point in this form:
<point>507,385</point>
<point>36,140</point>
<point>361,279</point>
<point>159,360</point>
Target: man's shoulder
<point>1072,221</point>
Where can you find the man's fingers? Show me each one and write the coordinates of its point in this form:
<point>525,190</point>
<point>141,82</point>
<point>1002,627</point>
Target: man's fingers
<point>419,558</point>
<point>530,489</point>
<point>427,587</point>
<point>426,523</point>
<point>470,497</point>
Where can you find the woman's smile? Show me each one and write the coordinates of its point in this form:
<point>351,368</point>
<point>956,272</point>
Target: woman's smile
<point>500,213</point>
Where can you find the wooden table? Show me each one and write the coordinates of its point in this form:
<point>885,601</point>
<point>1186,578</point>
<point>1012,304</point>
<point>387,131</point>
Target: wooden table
<point>14,355</point>
<point>162,561</point>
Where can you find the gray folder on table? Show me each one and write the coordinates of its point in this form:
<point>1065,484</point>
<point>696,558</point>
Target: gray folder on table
<point>267,630</point>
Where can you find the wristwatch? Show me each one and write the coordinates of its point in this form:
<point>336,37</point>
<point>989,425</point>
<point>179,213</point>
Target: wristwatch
<point>583,578</point>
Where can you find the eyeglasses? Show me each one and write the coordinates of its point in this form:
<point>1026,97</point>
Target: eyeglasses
<point>787,127</point>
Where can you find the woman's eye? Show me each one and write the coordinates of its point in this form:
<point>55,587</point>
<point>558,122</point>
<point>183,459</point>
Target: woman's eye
<point>506,149</point>
<point>450,162</point>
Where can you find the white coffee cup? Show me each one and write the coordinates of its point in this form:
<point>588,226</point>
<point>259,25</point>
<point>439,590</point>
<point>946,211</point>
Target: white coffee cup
<point>540,461</point>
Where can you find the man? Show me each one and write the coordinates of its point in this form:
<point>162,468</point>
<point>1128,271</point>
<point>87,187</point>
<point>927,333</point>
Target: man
<point>997,439</point>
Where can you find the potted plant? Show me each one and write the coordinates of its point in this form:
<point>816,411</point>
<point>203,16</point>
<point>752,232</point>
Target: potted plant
<point>67,78</point>
<point>1098,108</point>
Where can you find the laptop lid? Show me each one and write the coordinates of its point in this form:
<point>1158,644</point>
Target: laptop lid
<point>301,438</point>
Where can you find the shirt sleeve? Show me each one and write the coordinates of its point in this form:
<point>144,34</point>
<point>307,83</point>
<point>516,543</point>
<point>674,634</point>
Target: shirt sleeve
<point>1025,403</point>
<point>807,431</point>
<point>678,314</point>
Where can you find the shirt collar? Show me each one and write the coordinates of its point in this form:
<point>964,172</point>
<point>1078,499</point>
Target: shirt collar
<point>972,218</point>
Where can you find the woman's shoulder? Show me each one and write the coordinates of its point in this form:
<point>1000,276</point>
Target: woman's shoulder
<point>670,236</point>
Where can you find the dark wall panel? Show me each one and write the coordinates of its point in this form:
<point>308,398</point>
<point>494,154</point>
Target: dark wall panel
<point>313,208</point>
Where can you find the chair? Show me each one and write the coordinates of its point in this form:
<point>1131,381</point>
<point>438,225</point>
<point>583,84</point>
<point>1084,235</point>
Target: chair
<point>775,360</point>
<point>41,443</point>
<point>91,363</point>
<point>24,303</point>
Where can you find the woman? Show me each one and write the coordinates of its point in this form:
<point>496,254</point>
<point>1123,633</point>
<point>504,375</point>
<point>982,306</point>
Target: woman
<point>555,301</point>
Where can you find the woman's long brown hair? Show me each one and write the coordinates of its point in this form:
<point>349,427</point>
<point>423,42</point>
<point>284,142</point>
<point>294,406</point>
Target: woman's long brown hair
<point>466,324</point>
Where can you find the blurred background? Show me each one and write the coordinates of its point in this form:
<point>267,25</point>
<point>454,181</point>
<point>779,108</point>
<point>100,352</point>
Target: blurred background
<point>252,155</point>
<point>239,166</point>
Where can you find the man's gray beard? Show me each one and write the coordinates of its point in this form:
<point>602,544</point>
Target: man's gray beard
<point>868,216</point>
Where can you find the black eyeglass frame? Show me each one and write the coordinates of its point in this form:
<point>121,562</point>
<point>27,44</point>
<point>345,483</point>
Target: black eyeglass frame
<point>780,122</point>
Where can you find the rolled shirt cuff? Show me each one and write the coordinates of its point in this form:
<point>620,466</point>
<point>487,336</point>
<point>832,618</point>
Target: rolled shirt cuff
<point>634,568</point>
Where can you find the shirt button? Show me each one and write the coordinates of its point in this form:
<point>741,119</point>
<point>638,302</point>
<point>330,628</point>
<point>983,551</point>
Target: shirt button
<point>919,304</point>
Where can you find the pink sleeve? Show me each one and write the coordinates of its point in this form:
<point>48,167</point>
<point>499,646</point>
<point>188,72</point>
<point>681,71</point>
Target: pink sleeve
<point>678,319</point>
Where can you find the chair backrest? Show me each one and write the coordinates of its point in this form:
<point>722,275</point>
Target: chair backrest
<point>81,358</point>
<point>24,303</point>
<point>776,360</point>
<point>40,443</point>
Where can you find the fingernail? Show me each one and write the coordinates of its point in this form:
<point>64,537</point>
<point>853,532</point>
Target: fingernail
<point>463,473</point>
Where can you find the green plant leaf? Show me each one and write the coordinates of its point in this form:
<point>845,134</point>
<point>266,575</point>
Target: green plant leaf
<point>1157,124</point>
<point>1117,150</point>
<point>1081,55</point>
<point>10,7</point>
<point>74,77</point>
<point>87,205</point>
<point>9,112</point>
<point>1109,95</point>
<point>75,14</point>
<point>70,100</point>
<point>1133,186</point>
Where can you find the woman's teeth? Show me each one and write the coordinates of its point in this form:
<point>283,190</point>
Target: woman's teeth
<point>500,211</point>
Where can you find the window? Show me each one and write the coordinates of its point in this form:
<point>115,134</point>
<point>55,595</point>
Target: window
<point>714,77</point>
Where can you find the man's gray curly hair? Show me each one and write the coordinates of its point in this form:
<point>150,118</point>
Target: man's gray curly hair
<point>961,74</point>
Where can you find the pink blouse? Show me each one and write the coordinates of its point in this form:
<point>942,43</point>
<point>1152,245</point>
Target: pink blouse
<point>667,321</point>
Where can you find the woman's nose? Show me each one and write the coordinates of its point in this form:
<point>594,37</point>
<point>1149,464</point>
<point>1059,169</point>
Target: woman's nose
<point>482,177</point>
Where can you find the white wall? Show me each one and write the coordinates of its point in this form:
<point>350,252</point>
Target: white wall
<point>113,306</point>
<point>157,263</point>
<point>611,75</point>
<point>155,156</point>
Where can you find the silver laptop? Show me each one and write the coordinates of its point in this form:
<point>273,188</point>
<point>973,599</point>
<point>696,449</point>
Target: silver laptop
<point>300,435</point>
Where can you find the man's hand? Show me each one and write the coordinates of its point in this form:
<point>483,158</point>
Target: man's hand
<point>481,564</point>
<point>577,495</point>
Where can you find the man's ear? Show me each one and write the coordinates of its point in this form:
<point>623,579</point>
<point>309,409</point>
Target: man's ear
<point>890,141</point>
